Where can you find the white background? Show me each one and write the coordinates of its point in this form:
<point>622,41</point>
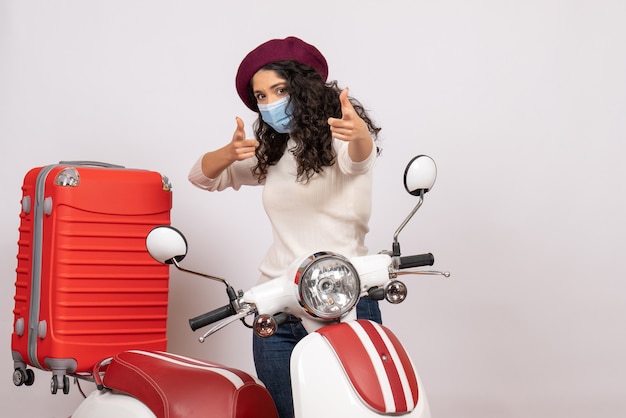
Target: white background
<point>521,103</point>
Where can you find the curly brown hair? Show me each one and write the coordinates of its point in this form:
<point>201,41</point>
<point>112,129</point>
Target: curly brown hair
<point>312,102</point>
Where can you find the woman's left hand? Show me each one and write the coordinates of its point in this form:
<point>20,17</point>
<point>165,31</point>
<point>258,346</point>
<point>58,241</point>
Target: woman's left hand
<point>351,128</point>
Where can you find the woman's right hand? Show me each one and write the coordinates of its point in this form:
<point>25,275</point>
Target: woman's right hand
<point>241,148</point>
<point>238,149</point>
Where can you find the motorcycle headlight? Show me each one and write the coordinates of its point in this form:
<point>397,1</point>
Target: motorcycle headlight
<point>328,285</point>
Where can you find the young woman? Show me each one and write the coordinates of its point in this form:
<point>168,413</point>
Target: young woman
<point>314,153</point>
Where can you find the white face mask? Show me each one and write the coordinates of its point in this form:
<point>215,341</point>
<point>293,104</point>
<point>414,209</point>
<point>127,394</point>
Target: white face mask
<point>277,115</point>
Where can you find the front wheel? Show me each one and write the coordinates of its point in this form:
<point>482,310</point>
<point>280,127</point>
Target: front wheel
<point>54,384</point>
<point>19,377</point>
<point>64,384</point>
<point>23,377</point>
<point>30,377</point>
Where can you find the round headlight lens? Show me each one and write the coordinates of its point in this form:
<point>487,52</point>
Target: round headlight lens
<point>328,285</point>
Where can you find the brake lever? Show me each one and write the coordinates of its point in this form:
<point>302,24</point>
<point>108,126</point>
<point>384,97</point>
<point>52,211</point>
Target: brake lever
<point>245,311</point>
<point>425,272</point>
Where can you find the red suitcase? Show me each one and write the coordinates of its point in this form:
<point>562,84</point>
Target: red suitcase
<point>86,287</point>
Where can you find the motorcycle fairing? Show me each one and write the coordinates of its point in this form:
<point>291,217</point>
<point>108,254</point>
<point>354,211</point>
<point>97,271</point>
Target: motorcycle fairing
<point>376,364</point>
<point>174,386</point>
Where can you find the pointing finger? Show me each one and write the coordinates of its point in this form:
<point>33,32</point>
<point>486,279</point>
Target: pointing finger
<point>239,134</point>
<point>346,106</point>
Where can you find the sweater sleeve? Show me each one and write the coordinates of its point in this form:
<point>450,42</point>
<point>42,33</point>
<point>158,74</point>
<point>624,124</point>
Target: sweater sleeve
<point>349,167</point>
<point>236,175</point>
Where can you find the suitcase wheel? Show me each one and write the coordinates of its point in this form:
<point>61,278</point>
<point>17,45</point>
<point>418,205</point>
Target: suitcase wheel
<point>64,384</point>
<point>23,377</point>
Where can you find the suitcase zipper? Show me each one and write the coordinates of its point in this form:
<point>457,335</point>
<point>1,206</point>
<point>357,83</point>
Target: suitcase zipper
<point>35,295</point>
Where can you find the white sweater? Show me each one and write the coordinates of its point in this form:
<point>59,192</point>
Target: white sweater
<point>329,213</point>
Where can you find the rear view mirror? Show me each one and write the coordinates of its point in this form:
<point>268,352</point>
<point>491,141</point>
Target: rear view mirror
<point>166,244</point>
<point>420,175</point>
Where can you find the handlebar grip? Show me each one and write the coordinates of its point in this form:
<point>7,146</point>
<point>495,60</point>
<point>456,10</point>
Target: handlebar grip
<point>419,260</point>
<point>210,317</point>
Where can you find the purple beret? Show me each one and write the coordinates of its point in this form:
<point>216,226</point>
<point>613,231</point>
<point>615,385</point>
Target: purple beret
<point>290,48</point>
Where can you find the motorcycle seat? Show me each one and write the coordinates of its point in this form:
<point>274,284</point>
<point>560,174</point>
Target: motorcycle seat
<point>174,386</point>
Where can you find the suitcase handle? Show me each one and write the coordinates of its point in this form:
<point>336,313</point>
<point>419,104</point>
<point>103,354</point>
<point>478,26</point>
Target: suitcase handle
<point>94,163</point>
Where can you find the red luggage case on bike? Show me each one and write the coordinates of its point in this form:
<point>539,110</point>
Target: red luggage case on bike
<point>86,286</point>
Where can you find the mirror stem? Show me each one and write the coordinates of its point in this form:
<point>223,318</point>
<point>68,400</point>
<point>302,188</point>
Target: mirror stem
<point>396,244</point>
<point>217,279</point>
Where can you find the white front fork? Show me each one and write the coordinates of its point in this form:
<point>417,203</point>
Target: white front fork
<point>321,387</point>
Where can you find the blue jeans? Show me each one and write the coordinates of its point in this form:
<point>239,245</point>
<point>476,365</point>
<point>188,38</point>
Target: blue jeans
<point>271,355</point>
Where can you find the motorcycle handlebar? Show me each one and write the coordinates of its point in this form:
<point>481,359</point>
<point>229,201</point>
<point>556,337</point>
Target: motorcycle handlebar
<point>218,314</point>
<point>419,260</point>
<point>211,317</point>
